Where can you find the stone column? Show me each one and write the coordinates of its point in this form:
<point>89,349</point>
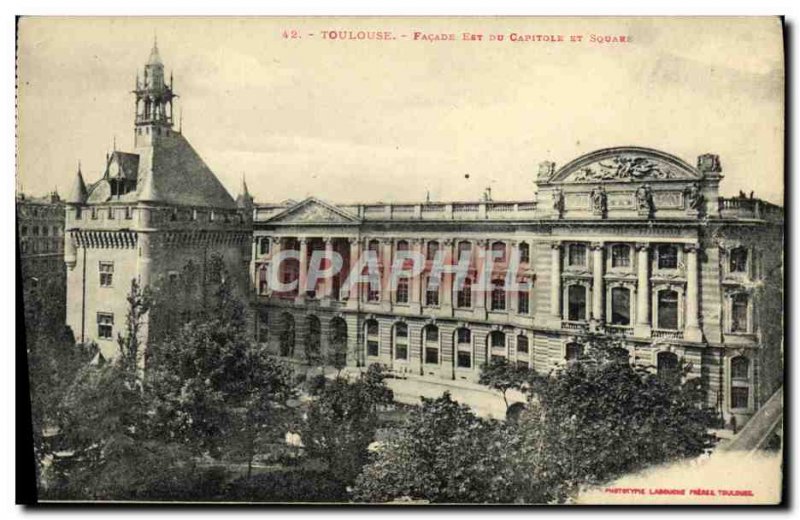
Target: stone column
<point>302,277</point>
<point>447,278</point>
<point>386,269</point>
<point>555,281</point>
<point>328,285</point>
<point>642,328</point>
<point>354,295</point>
<point>481,287</point>
<point>597,284</point>
<point>416,281</point>
<point>692,330</point>
<point>512,259</point>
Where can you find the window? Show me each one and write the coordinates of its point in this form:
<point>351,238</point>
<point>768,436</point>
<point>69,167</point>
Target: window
<point>106,274</point>
<point>23,230</point>
<point>286,338</point>
<point>574,351</point>
<point>499,251</point>
<point>402,245</point>
<point>523,351</point>
<point>740,397</point>
<point>463,348</point>
<point>432,292</point>
<point>667,365</point>
<point>667,257</point>
<point>620,256</point>
<point>498,295</point>
<point>577,255</point>
<point>262,280</point>
<point>576,303</point>
<point>373,294</point>
<point>620,306</point>
<point>110,213</point>
<point>128,213</point>
<point>739,312</point>
<point>433,248</point>
<point>738,261</point>
<point>497,344</point>
<point>464,250</point>
<point>463,335</point>
<point>94,213</point>
<point>105,325</point>
<point>372,338</point>
<point>668,310</point>
<point>464,295</point>
<point>401,341</point>
<point>524,253</point>
<point>523,298</point>
<point>263,246</point>
<point>36,231</point>
<point>431,339</point>
<point>78,213</point>
<point>401,296</point>
<point>740,368</point>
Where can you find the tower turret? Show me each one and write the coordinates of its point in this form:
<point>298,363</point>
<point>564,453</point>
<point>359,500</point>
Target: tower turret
<point>153,101</point>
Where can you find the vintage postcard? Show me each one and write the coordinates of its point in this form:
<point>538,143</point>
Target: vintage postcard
<point>520,260</point>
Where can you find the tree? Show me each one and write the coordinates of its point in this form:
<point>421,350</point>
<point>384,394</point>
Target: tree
<point>504,376</point>
<point>341,423</point>
<point>445,453</point>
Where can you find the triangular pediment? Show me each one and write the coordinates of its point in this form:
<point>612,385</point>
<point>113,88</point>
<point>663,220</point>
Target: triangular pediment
<point>627,164</point>
<point>313,211</point>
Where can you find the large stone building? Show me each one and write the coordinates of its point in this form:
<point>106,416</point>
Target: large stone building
<point>151,212</point>
<point>629,242</point>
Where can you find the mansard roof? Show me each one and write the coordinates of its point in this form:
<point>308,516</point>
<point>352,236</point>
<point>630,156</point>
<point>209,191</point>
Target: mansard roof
<point>625,164</point>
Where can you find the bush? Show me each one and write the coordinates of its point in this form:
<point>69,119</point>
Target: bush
<point>287,486</point>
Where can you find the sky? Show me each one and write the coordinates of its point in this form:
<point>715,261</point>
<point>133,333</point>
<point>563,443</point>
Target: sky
<point>392,120</point>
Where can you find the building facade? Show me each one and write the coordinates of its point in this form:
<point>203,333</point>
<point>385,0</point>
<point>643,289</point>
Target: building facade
<point>40,228</point>
<point>628,242</point>
<point>150,213</point>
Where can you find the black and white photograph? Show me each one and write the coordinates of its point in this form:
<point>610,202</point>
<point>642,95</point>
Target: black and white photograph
<point>401,260</point>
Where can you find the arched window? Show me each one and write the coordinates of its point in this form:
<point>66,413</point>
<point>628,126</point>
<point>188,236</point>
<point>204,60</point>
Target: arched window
<point>498,295</point>
<point>524,253</point>
<point>430,340</point>
<point>464,295</point>
<point>312,340</point>
<point>497,345</point>
<point>433,248</point>
<point>740,382</point>
<point>620,256</point>
<point>402,245</point>
<point>667,365</point>
<point>576,303</point>
<point>401,341</point>
<point>523,351</point>
<point>668,310</point>
<point>738,260</point>
<point>337,343</point>
<point>620,306</point>
<point>576,255</point>
<point>667,256</point>
<point>740,306</point>
<point>463,348</point>
<point>263,246</point>
<point>286,336</point>
<point>371,338</point>
<point>499,251</point>
<point>574,351</point>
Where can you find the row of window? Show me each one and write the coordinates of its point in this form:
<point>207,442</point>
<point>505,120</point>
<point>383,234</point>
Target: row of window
<point>174,216</point>
<point>40,246</point>
<point>44,230</point>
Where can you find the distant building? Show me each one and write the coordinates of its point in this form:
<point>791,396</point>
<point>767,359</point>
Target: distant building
<point>628,242</point>
<point>150,212</point>
<point>40,228</point>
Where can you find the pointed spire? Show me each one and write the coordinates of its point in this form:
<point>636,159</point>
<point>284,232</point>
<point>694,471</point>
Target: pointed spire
<point>155,58</point>
<point>244,187</point>
<point>79,194</point>
<point>244,200</point>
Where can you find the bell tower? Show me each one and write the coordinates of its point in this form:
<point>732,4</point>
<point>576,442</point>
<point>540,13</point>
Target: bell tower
<point>153,102</point>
